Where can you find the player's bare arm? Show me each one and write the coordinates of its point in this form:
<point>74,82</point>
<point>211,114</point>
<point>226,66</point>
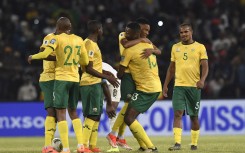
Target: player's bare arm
<point>89,69</point>
<point>169,76</point>
<point>110,110</point>
<point>121,71</point>
<point>200,83</point>
<point>127,44</point>
<point>147,52</point>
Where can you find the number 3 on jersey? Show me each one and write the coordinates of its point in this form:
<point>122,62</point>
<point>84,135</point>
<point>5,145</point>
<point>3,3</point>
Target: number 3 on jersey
<point>68,51</point>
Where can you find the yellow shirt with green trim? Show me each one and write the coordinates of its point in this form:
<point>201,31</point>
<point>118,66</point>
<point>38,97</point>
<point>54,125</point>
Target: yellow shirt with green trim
<point>70,52</point>
<point>94,56</point>
<point>144,71</point>
<point>48,66</point>
<point>121,48</point>
<point>187,60</point>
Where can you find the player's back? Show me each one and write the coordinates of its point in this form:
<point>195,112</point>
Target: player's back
<point>68,52</point>
<point>144,71</point>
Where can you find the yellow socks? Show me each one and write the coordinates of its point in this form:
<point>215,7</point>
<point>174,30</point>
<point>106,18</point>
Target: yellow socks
<point>140,133</point>
<point>94,135</point>
<point>122,129</point>
<point>140,142</point>
<point>50,126</point>
<point>63,131</point>
<point>87,130</point>
<point>78,129</point>
<point>194,137</point>
<point>120,118</point>
<point>177,135</point>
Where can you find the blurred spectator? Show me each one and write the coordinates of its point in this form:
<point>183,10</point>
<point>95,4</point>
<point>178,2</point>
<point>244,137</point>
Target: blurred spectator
<point>27,92</point>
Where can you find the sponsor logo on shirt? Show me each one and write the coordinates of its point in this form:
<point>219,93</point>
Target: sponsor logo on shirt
<point>45,42</point>
<point>91,53</point>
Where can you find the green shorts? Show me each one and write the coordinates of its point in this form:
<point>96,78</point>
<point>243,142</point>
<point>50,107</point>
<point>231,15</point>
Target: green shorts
<point>142,101</point>
<point>187,98</point>
<point>47,88</point>
<point>128,86</point>
<point>66,94</point>
<point>92,99</point>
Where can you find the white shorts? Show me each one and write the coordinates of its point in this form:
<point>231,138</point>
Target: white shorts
<point>115,93</point>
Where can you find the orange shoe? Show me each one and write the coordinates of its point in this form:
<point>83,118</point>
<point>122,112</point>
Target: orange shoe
<point>112,140</point>
<point>122,143</point>
<point>65,151</point>
<point>96,150</point>
<point>83,150</point>
<point>49,149</point>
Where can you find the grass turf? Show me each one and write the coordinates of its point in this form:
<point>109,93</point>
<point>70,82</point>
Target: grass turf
<point>206,144</point>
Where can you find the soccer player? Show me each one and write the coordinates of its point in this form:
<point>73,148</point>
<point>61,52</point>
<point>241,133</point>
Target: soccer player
<point>128,85</point>
<point>70,52</point>
<point>147,81</point>
<point>186,58</point>
<point>90,85</point>
<point>46,83</point>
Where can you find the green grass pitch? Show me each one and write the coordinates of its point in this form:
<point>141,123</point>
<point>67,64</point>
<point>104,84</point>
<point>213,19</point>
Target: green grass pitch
<point>206,144</point>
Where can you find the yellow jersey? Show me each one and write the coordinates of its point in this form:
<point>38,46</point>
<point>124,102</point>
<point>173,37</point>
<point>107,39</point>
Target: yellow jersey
<point>144,71</point>
<point>121,48</point>
<point>70,51</point>
<point>48,66</point>
<point>120,37</point>
<point>187,63</point>
<point>94,55</point>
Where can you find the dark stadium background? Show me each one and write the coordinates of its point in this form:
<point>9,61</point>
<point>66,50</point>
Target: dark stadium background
<point>218,24</point>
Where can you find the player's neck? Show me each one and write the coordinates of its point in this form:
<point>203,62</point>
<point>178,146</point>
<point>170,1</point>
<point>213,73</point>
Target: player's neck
<point>93,37</point>
<point>188,42</point>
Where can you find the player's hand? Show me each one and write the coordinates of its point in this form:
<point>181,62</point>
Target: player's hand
<point>145,40</point>
<point>107,73</point>
<point>29,59</point>
<point>146,53</point>
<point>165,91</point>
<point>200,84</point>
<point>110,110</point>
<point>113,81</point>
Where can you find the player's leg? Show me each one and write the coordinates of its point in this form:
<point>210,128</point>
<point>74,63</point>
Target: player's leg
<point>179,107</point>
<point>193,96</point>
<point>97,103</point>
<point>76,121</point>
<point>92,109</point>
<point>127,88</point>
<point>61,92</point>
<point>50,121</point>
<point>140,102</point>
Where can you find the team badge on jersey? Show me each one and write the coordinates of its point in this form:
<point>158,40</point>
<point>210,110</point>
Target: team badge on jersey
<point>91,53</point>
<point>52,41</point>
<point>122,58</point>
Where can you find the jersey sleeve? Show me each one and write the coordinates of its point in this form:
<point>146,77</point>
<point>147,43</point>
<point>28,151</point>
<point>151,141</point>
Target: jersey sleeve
<point>172,54</point>
<point>90,50</point>
<point>126,57</point>
<point>45,42</point>
<point>84,55</point>
<point>203,52</point>
<point>53,43</point>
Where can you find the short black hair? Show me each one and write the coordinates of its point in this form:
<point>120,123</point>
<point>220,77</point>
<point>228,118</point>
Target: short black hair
<point>186,24</point>
<point>134,26</point>
<point>142,21</point>
<point>93,25</point>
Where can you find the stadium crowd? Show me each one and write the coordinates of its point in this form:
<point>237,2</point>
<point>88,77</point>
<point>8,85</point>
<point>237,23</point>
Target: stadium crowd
<point>219,25</point>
